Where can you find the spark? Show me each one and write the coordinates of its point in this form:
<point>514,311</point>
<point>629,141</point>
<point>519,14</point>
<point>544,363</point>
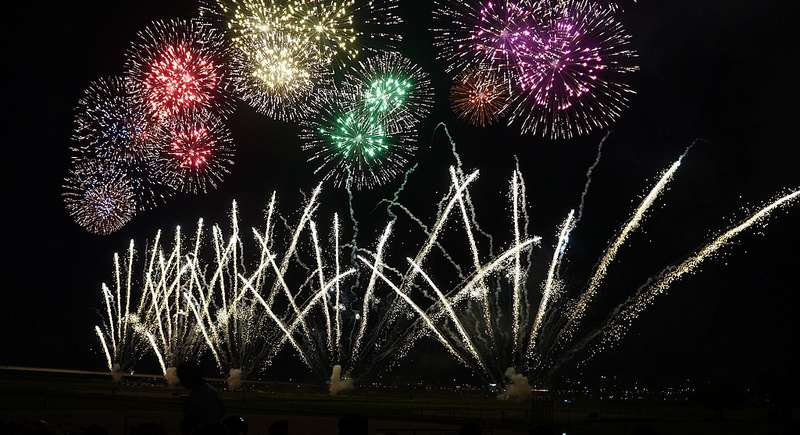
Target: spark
<point>177,67</point>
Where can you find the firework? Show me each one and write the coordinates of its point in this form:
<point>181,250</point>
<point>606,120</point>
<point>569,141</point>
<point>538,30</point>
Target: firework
<point>280,75</point>
<point>197,152</point>
<point>568,70</point>
<point>338,29</point>
<point>484,34</point>
<point>391,87</point>
<point>352,144</point>
<point>244,20</point>
<point>99,196</point>
<point>487,311</point>
<point>112,127</point>
<point>123,344</point>
<point>178,66</point>
<point>479,97</point>
<point>110,120</point>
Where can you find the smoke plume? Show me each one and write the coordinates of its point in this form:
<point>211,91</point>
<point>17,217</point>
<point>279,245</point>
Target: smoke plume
<point>518,388</point>
<point>116,373</point>
<point>172,376</point>
<point>340,383</point>
<point>235,379</point>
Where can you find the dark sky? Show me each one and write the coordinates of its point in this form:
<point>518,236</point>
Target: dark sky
<point>720,71</point>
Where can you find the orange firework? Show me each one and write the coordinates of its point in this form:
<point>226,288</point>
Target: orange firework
<point>479,97</point>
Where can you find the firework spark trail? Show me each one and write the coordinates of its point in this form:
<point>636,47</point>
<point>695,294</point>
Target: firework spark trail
<point>468,288</point>
<point>670,275</point>
<point>163,304</point>
<point>428,322</point>
<point>369,291</point>
<point>192,303</point>
<point>307,212</point>
<point>287,334</point>
<point>487,314</point>
<point>396,196</point>
<point>307,306</point>
<point>125,347</point>
<point>153,344</point>
<point>348,185</point>
<point>268,229</point>
<point>268,259</point>
<point>552,281</point>
<point>440,222</point>
<point>287,291</point>
<point>105,346</point>
<point>515,206</point>
<point>338,270</point>
<point>589,175</point>
<point>452,315</point>
<point>617,323</point>
<point>321,276</point>
<point>611,252</point>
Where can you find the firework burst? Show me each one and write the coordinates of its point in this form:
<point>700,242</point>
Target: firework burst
<point>98,196</point>
<point>484,34</point>
<point>339,29</point>
<point>110,120</point>
<point>350,142</point>
<point>178,66</point>
<point>479,97</point>
<point>244,20</point>
<point>280,75</point>
<point>197,152</point>
<point>112,127</point>
<point>569,65</point>
<point>391,87</point>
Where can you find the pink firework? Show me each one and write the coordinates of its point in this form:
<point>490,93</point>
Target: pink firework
<point>197,153</point>
<point>482,34</point>
<point>180,66</point>
<point>570,63</point>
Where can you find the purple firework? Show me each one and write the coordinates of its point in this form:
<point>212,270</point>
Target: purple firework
<point>569,65</point>
<point>482,34</point>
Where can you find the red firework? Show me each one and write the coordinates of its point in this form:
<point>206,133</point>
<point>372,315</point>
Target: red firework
<point>179,67</point>
<point>197,153</point>
<point>179,79</point>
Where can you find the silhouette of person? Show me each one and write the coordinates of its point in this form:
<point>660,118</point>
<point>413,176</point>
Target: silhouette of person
<point>203,407</point>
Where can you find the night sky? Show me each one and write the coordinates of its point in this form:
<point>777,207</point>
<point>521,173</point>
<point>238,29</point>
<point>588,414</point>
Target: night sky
<point>719,71</point>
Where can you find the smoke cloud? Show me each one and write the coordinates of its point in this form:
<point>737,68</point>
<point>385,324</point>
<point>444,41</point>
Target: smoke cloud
<point>518,388</point>
<point>340,383</point>
<point>116,373</point>
<point>235,379</point>
<point>172,376</point>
